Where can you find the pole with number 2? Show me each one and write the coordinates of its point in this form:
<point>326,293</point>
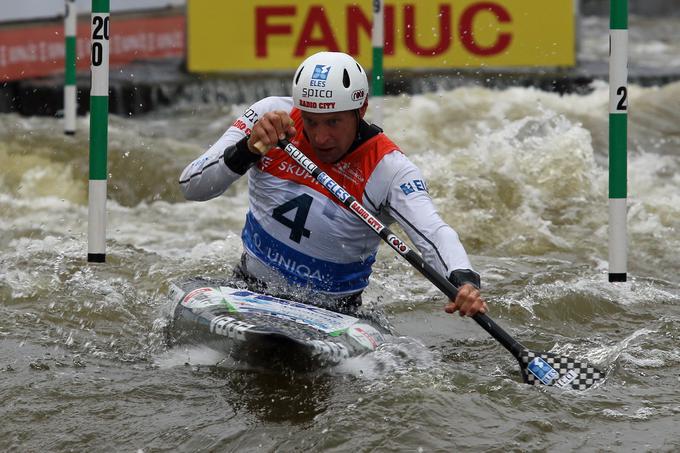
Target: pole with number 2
<point>99,125</point>
<point>618,139</point>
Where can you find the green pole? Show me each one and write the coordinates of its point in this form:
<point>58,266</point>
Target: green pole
<point>99,125</point>
<point>378,40</point>
<point>70,68</point>
<point>618,139</point>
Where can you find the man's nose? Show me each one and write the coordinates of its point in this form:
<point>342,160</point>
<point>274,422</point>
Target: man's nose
<point>321,135</point>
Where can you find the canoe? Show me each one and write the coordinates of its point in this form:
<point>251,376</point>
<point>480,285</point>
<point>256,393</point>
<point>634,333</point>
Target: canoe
<point>262,330</point>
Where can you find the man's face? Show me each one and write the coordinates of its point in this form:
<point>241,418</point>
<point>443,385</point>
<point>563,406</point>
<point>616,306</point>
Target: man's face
<point>330,134</point>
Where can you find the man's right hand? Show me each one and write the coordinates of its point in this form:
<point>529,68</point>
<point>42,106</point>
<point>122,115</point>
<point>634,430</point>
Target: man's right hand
<point>270,128</point>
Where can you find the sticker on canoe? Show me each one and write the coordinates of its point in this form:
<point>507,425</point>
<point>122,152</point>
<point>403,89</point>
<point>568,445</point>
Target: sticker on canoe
<point>366,335</point>
<point>199,298</point>
<point>242,301</point>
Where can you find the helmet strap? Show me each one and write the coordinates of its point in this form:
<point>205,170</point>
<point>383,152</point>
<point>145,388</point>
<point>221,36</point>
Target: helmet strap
<point>358,117</point>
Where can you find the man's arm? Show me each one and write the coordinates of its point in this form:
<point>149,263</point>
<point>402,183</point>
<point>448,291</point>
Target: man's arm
<point>229,158</point>
<point>401,192</point>
<point>398,186</point>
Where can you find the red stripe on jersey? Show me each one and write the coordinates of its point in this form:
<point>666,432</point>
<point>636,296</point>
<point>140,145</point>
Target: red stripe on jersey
<point>352,172</point>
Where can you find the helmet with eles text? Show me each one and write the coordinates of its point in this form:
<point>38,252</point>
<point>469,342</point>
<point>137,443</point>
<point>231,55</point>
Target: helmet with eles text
<point>329,82</point>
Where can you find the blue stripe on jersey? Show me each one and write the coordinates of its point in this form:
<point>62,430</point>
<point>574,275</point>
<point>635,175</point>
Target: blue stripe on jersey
<point>304,270</point>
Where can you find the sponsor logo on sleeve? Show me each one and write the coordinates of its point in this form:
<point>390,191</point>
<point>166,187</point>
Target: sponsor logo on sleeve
<point>198,163</point>
<point>417,185</point>
<point>241,125</point>
<point>251,115</point>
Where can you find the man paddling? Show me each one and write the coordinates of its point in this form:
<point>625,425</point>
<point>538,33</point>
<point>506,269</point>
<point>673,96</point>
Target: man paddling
<point>298,240</point>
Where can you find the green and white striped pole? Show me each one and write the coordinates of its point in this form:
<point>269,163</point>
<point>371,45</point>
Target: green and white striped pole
<point>618,139</point>
<point>70,68</point>
<point>99,130</point>
<point>378,40</point>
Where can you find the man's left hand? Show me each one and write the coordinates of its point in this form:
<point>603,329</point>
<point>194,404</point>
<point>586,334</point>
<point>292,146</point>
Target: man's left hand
<point>468,302</point>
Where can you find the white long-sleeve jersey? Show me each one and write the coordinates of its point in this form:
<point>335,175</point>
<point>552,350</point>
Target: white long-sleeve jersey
<point>297,232</point>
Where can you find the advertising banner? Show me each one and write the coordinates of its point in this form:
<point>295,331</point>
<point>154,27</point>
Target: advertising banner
<point>38,50</point>
<point>32,10</point>
<point>428,34</point>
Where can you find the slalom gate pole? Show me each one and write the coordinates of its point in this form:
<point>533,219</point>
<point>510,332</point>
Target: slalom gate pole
<point>70,18</point>
<point>618,139</point>
<point>378,40</point>
<point>99,125</point>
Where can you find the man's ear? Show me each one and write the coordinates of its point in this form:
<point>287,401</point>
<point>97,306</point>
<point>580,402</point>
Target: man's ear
<point>362,109</point>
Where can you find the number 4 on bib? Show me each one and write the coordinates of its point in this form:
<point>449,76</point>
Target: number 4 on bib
<point>301,205</point>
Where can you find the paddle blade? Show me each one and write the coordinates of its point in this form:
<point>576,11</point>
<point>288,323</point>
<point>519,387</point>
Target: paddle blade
<point>545,368</point>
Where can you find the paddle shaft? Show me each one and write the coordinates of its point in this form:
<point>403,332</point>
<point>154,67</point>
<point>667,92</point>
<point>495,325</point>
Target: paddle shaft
<point>397,244</point>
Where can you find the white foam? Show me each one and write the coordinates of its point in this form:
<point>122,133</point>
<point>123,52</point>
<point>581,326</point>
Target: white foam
<point>194,356</point>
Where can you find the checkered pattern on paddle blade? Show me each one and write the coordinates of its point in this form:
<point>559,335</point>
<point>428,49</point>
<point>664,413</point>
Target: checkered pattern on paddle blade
<point>545,368</point>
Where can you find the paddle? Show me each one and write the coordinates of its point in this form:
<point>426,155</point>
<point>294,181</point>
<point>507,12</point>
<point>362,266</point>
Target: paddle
<point>536,367</point>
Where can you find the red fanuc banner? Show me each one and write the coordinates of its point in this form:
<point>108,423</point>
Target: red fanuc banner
<point>38,50</point>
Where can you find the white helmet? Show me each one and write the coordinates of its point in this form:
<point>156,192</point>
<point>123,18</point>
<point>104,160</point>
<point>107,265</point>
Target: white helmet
<point>329,82</point>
